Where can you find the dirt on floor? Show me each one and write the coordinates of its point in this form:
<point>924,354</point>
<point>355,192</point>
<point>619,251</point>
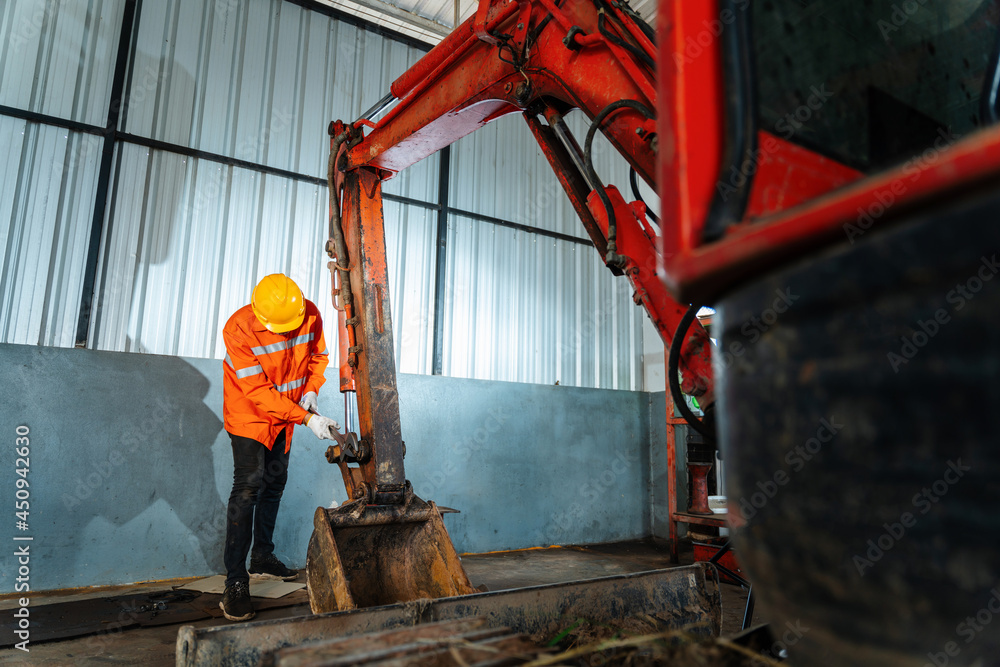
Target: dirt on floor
<point>639,641</point>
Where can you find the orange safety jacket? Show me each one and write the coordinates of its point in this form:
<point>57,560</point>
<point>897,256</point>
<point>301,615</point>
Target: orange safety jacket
<point>266,374</point>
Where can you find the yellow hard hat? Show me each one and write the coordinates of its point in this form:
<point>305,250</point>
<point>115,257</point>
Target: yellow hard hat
<point>278,304</point>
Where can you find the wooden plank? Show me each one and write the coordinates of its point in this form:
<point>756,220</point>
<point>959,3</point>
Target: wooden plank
<point>717,520</point>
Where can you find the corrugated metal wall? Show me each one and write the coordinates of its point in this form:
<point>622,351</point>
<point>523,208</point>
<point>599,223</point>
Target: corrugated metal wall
<point>259,81</point>
<point>526,307</point>
<point>57,56</point>
<point>523,307</point>
<point>410,235</point>
<point>185,238</point>
<point>47,184</point>
<point>188,238</point>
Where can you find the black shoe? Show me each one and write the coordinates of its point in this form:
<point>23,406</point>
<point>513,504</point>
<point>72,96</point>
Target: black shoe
<point>269,567</point>
<point>236,605</point>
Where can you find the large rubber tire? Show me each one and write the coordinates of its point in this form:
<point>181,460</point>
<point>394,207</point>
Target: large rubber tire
<point>859,419</point>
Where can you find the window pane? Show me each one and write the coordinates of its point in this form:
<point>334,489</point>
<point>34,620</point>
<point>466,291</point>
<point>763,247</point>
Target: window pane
<point>872,84</point>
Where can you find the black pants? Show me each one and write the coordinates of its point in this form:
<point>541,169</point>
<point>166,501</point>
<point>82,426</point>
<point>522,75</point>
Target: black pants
<point>259,476</point>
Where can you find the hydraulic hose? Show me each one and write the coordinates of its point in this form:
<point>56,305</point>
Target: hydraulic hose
<point>336,229</point>
<point>612,258</point>
<point>673,365</point>
<point>637,53</point>
<point>635,193</point>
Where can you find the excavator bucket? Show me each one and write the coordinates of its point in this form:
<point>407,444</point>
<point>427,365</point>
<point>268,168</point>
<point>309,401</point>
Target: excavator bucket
<point>364,555</point>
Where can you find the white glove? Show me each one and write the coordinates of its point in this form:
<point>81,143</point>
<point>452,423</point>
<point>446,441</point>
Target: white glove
<point>309,402</point>
<point>321,425</point>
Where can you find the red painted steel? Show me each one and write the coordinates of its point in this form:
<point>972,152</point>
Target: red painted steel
<point>343,342</point>
<point>705,551</point>
<point>788,175</point>
<point>463,83</point>
<point>800,202</point>
<point>699,487</point>
<point>637,242</point>
<point>836,217</point>
<point>690,122</point>
<point>450,48</point>
<point>671,478</point>
<point>374,367</point>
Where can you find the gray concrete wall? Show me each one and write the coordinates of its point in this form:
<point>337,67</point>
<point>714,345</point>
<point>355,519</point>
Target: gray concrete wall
<point>659,471</point>
<point>130,467</point>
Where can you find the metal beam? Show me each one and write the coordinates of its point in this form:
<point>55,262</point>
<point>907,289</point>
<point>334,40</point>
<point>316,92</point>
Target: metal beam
<point>682,597</point>
<point>88,296</point>
<point>441,260</point>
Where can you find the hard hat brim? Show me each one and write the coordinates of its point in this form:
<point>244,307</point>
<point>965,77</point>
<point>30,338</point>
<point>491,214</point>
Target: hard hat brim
<point>285,328</point>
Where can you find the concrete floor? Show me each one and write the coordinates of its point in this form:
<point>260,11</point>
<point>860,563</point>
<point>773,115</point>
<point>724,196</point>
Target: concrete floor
<point>497,571</point>
<point>530,567</point>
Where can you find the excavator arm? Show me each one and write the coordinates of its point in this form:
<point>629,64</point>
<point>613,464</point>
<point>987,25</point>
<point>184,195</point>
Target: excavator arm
<point>542,59</point>
<point>539,58</point>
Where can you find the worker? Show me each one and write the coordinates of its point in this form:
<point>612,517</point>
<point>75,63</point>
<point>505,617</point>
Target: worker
<point>275,359</point>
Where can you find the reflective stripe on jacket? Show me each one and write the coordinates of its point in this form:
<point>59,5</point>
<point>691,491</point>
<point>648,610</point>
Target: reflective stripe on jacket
<point>266,374</point>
